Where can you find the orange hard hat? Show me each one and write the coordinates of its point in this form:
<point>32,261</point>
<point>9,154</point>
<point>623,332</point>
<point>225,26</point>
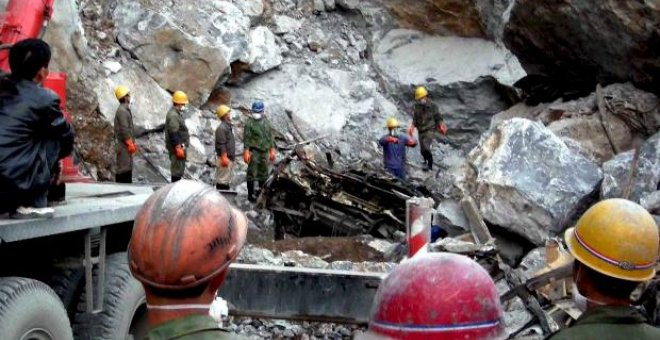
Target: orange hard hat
<point>184,235</point>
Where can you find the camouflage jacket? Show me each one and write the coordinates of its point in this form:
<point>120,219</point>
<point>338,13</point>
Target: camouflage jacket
<point>258,135</point>
<point>194,327</point>
<point>426,117</point>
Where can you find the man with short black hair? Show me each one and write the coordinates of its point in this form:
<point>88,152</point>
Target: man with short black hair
<point>34,135</point>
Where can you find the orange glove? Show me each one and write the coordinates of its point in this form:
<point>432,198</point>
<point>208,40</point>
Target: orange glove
<point>442,128</point>
<point>130,145</point>
<point>411,130</point>
<point>178,152</point>
<point>247,156</point>
<point>224,160</point>
<point>392,140</point>
<point>271,155</point>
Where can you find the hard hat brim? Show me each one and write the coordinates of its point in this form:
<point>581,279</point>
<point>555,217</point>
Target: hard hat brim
<point>592,261</point>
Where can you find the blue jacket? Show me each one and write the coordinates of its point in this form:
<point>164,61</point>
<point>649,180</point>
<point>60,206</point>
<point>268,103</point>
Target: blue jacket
<point>394,154</point>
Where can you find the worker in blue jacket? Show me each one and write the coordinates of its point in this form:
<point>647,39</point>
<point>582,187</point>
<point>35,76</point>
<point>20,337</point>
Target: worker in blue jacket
<point>394,149</point>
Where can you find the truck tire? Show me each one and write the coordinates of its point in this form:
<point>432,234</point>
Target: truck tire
<point>123,298</point>
<point>31,310</point>
<point>66,279</point>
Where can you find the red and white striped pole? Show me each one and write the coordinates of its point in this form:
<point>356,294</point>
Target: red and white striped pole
<point>419,212</point>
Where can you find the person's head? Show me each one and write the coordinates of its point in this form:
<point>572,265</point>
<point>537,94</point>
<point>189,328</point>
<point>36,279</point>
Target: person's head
<point>29,60</point>
<point>223,112</point>
<point>180,100</point>
<point>615,244</point>
<point>258,109</point>
<point>421,94</point>
<point>437,296</point>
<point>392,124</point>
<point>184,238</point>
<point>123,94</point>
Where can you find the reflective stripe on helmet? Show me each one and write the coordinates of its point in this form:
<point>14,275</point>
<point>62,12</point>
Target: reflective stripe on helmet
<point>621,264</point>
<point>436,328</point>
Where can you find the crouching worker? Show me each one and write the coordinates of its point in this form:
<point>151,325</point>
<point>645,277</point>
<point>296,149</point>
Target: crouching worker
<point>436,296</point>
<point>184,238</point>
<point>394,149</point>
<point>34,135</point>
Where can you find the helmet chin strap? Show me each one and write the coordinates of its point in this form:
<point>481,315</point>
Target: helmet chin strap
<point>179,307</point>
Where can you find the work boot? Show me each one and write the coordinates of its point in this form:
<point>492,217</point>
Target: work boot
<point>250,188</point>
<point>23,213</point>
<point>175,179</point>
<point>221,186</point>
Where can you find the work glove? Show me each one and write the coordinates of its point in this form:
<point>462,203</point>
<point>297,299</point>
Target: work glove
<point>411,130</point>
<point>224,160</point>
<point>247,156</point>
<point>442,128</point>
<point>271,155</point>
<point>130,145</point>
<point>392,140</point>
<point>178,152</point>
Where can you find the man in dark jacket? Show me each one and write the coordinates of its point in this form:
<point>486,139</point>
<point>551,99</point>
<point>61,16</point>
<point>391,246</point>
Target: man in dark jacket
<point>177,137</point>
<point>34,135</point>
<point>124,136</point>
<point>428,121</point>
<point>225,148</point>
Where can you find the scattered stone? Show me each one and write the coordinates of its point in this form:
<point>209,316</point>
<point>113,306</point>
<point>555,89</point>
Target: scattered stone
<point>616,173</point>
<point>299,259</point>
<point>112,66</point>
<point>348,4</point>
<point>450,217</point>
<point>284,24</point>
<point>264,53</point>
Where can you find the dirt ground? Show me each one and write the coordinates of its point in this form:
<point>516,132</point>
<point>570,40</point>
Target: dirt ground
<point>354,249</point>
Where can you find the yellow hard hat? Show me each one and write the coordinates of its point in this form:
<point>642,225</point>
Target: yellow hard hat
<point>392,123</point>
<point>121,92</point>
<point>421,92</point>
<point>618,238</point>
<point>222,110</point>
<point>179,97</point>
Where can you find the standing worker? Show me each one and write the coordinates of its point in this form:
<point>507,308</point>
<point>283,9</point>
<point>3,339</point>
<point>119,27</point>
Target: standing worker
<point>184,238</point>
<point>34,135</point>
<point>225,148</point>
<point>394,149</point>
<point>124,136</point>
<point>259,147</point>
<point>615,245</point>
<point>427,119</point>
<point>176,135</point>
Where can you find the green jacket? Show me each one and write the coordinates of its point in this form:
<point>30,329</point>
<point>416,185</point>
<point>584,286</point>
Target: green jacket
<point>609,323</point>
<point>224,140</point>
<point>194,327</point>
<point>176,131</point>
<point>123,131</point>
<point>426,117</point>
<point>258,135</point>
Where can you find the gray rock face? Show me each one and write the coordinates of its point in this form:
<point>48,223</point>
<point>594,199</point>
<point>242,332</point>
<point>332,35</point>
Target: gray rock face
<point>494,16</point>
<point>651,202</point>
<point>464,77</point>
<point>348,4</point>
<point>285,24</point>
<point>264,53</point>
<point>587,39</point>
<point>529,182</point>
<point>450,216</point>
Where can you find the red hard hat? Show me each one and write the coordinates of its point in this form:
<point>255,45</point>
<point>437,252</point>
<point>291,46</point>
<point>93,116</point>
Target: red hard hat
<point>184,235</point>
<point>437,296</point>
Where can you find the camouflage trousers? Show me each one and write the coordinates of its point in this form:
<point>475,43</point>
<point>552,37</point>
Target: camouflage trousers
<point>259,166</point>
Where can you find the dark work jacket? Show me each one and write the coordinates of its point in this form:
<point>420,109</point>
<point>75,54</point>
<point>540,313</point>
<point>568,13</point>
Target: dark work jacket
<point>224,140</point>
<point>609,323</point>
<point>33,135</point>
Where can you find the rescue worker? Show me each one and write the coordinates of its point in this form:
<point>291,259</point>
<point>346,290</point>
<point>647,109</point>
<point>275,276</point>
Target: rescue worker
<point>176,135</point>
<point>184,238</point>
<point>259,147</point>
<point>428,121</point>
<point>615,245</point>
<point>436,296</point>
<point>34,134</point>
<point>124,136</point>
<point>225,148</point>
<point>394,149</point>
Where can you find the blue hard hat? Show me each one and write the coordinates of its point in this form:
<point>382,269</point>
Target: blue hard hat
<point>258,107</point>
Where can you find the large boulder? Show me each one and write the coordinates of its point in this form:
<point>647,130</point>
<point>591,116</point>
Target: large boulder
<point>66,37</point>
<point>526,180</point>
<point>264,53</point>
<point>466,77</point>
<point>616,174</point>
<point>444,17</point>
<point>592,41</point>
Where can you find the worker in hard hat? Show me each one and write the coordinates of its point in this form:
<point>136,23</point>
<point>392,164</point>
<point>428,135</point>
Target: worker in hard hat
<point>428,121</point>
<point>176,135</point>
<point>124,136</point>
<point>615,245</point>
<point>394,149</point>
<point>184,238</point>
<point>34,135</point>
<point>258,149</point>
<point>225,148</point>
<point>436,296</point>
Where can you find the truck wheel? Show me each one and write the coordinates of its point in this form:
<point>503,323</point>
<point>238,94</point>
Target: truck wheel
<point>66,279</point>
<point>122,302</point>
<point>30,310</point>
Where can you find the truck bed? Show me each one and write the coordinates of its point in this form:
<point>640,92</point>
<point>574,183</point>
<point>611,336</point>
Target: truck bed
<point>87,205</point>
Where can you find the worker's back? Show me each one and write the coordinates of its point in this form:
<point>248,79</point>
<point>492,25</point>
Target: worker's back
<point>195,327</point>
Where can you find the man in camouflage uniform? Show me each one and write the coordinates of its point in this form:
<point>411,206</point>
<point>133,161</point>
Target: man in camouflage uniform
<point>225,148</point>
<point>259,147</point>
<point>124,136</point>
<point>428,121</point>
<point>176,135</point>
